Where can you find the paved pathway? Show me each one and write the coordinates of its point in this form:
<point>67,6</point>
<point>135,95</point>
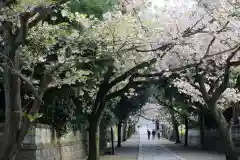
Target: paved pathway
<point>153,150</point>
<point>130,148</point>
<point>138,147</point>
<point>166,150</point>
<point>190,153</point>
<point>128,151</point>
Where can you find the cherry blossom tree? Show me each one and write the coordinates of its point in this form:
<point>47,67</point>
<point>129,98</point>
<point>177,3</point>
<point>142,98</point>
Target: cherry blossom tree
<point>29,58</point>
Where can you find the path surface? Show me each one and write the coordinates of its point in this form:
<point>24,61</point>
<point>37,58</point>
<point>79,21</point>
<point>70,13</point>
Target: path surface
<point>153,150</point>
<point>138,147</point>
<point>190,153</point>
<point>128,151</point>
<point>164,149</point>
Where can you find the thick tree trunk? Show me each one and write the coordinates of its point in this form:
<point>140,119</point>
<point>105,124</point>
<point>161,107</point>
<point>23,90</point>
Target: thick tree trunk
<point>93,150</point>
<point>11,151</point>
<point>177,134</point>
<point>13,108</point>
<point>119,134</point>
<point>112,141</point>
<point>186,131</point>
<point>225,132</point>
<point>175,126</point>
<point>202,129</point>
<point>125,130</point>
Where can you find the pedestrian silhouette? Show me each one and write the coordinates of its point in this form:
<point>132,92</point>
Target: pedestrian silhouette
<point>159,135</point>
<point>149,134</point>
<point>153,134</point>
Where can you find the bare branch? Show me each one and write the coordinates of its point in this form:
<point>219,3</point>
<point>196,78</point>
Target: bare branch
<point>123,90</point>
<point>131,84</point>
<point>222,52</point>
<point>131,72</point>
<point>159,74</point>
<point>161,48</point>
<point>234,63</point>
<point>202,87</point>
<point>213,86</point>
<point>29,84</point>
<point>209,46</point>
<point>102,90</point>
<point>224,84</point>
<point>223,28</point>
<point>188,32</point>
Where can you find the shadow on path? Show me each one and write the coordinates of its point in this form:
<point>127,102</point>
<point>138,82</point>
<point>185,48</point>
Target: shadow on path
<point>191,153</point>
<point>128,151</point>
<point>129,148</point>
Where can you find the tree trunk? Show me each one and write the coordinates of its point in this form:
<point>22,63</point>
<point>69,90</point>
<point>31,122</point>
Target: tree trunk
<point>225,132</point>
<point>186,131</point>
<point>93,150</point>
<point>112,141</point>
<point>119,134</point>
<point>13,107</point>
<point>125,130</point>
<point>202,129</point>
<point>175,126</point>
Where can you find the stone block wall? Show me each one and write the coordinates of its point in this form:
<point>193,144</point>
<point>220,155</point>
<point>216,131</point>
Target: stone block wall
<point>64,151</point>
<point>41,143</point>
<point>212,138</point>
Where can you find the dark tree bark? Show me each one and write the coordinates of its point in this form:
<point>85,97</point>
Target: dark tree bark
<point>93,134</point>
<point>175,126</point>
<point>119,134</point>
<point>16,126</point>
<point>125,130</point>
<point>202,129</point>
<point>186,131</point>
<point>225,132</point>
<point>112,141</point>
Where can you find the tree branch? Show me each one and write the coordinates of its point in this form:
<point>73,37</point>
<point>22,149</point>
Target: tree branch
<point>7,3</point>
<point>209,46</point>
<point>123,90</point>
<point>223,86</point>
<point>202,88</point>
<point>26,80</point>
<point>159,74</point>
<point>224,27</point>
<point>131,72</point>
<point>102,90</point>
<point>234,63</point>
<point>213,86</point>
<point>161,48</point>
<point>29,84</point>
<point>40,13</point>
<point>222,52</point>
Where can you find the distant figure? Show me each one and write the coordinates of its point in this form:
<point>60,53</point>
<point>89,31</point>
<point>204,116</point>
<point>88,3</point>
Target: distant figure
<point>149,134</point>
<point>159,135</point>
<point>153,134</point>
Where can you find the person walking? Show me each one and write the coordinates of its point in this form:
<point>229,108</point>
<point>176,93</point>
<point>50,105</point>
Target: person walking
<point>153,134</point>
<point>159,135</point>
<point>149,134</point>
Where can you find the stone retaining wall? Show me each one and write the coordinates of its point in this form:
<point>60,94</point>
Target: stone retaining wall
<point>41,143</point>
<point>212,138</point>
<point>64,151</point>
